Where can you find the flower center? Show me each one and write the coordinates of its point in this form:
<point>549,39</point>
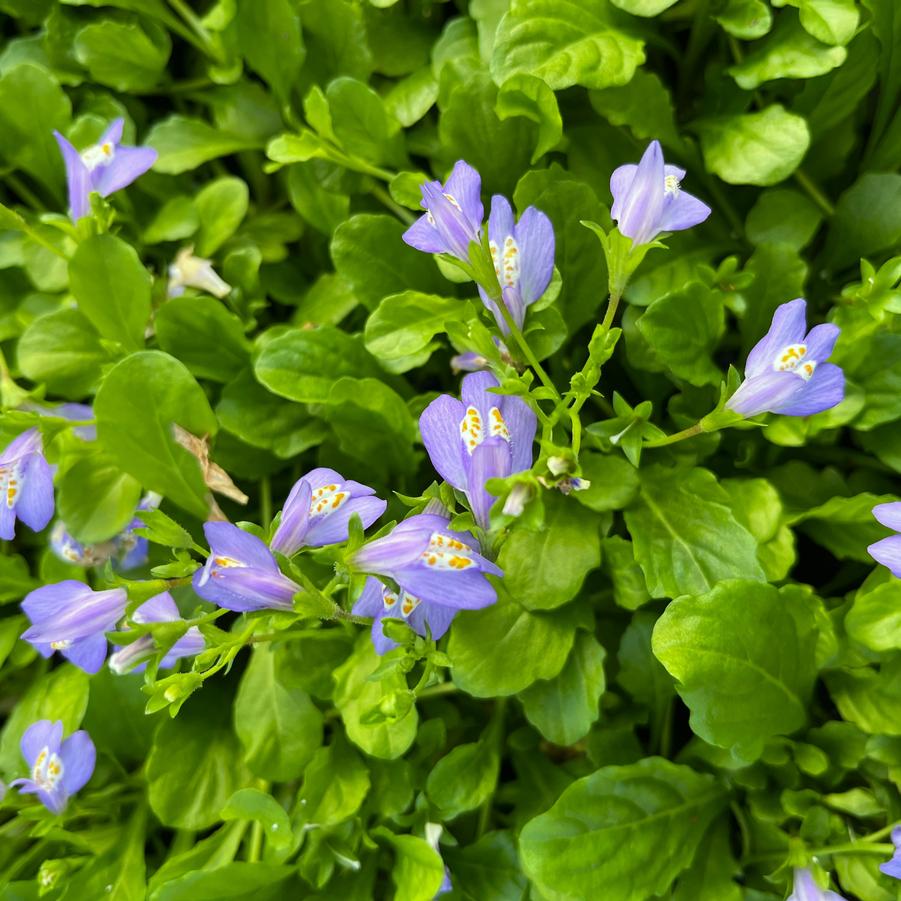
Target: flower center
<point>447,554</point>
<point>408,604</point>
<point>506,265</point>
<point>48,769</point>
<point>62,645</point>
<point>671,185</point>
<point>327,499</point>
<point>472,429</point>
<point>794,359</point>
<point>98,155</point>
<point>10,484</point>
<point>215,565</point>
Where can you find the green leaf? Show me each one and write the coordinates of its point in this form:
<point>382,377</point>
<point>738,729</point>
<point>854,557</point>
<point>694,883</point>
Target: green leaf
<point>278,725</point>
<point>357,697</point>
<point>565,42</point>
<point>96,500</point>
<point>711,876</point>
<point>138,403</point>
<point>368,252</point>
<point>875,617</point>
<point>237,879</point>
<point>123,55</point>
<point>61,694</point>
<point>362,125</point>
<point>400,331</point>
<point>545,569</point>
<point>63,351</point>
<point>867,219</point>
<point>418,869</point>
<point>645,8</point>
<point>782,216</point>
<point>488,868</point>
<point>28,95</point>
<point>269,38</point>
<point>195,764</point>
<point>685,535</point>
<point>623,833</point>
<point>830,21</point>
<point>162,529</point>
<point>221,207</point>
<point>412,97</point>
<point>789,52</point>
<point>465,778</point>
<point>614,482</point>
<point>869,698</point>
<point>176,219</point>
<point>530,97</point>
<point>682,330</point>
<point>483,642</point>
<point>743,684</point>
<point>15,581</point>
<point>746,19</point>
<point>201,333</point>
<point>253,804</point>
<point>304,364</point>
<point>112,288</point>
<point>184,143</point>
<point>754,148</point>
<point>564,708</point>
<point>335,784</point>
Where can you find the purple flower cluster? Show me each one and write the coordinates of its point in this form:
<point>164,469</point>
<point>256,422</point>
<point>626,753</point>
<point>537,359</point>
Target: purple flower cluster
<point>887,551</point>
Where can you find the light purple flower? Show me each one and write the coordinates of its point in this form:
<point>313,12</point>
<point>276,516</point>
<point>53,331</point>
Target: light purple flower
<point>106,167</point>
<point>806,889</point>
<point>454,214</point>
<point>241,573</point>
<point>647,199</point>
<point>26,485</point>
<point>438,571</point>
<point>480,437</point>
<point>523,256</point>
<point>159,609</point>
<point>786,371</point>
<point>188,271</point>
<point>893,867</point>
<point>58,768</point>
<point>318,511</point>
<point>73,411</point>
<point>888,550</point>
<point>71,618</point>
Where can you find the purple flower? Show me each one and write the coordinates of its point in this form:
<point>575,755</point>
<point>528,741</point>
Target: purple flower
<point>26,485</point>
<point>71,618</point>
<point>481,437</point>
<point>647,199</point>
<point>160,609</point>
<point>438,571</point>
<point>786,371</point>
<point>454,214</point>
<point>888,550</point>
<point>523,256</point>
<point>70,550</point>
<point>105,167</point>
<point>241,573</point>
<point>73,411</point>
<point>893,867</point>
<point>58,768</point>
<point>319,508</point>
<point>805,889</point>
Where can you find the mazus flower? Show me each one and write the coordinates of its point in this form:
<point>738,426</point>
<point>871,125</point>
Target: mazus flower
<point>26,485</point>
<point>71,618</point>
<point>480,437</point>
<point>438,571</point>
<point>893,867</point>
<point>188,271</point>
<point>523,256</point>
<point>159,609</point>
<point>806,889</point>
<point>105,167</point>
<point>454,213</point>
<point>888,550</point>
<point>648,199</point>
<point>241,573</point>
<point>786,371</point>
<point>58,768</point>
<point>319,508</point>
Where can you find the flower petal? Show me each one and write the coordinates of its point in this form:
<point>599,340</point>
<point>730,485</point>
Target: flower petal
<point>69,610</point>
<point>113,134</point>
<point>161,608</point>
<point>889,515</point>
<point>765,393</point>
<point>821,341</point>
<point>78,179</point>
<point>40,735</point>
<point>455,229</point>
<point>789,326</point>
<point>439,426</point>
<point>826,389</point>
<point>333,527</point>
<point>227,540</point>
<point>474,392</point>
<point>128,164</point>
<point>29,442</point>
<point>462,590</point>
<point>639,208</point>
<point>535,237</point>
<point>380,641</point>
<point>465,186</point>
<point>436,616</point>
<point>682,211</point>
<point>490,460</point>
<point>190,644</point>
<point>247,588</point>
<point>292,529</point>
<point>79,756</point>
<point>369,603</point>
<point>521,423</point>
<point>89,653</point>
<point>35,504</point>
<point>422,235</point>
<point>888,553</point>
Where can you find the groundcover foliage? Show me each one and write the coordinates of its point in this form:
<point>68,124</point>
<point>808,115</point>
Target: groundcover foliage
<point>628,636</point>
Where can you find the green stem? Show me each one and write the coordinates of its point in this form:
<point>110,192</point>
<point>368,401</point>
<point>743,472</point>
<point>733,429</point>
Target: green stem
<point>497,737</point>
<point>382,195</point>
<point>523,345</point>
<point>612,306</point>
<point>879,849</point>
<point>880,833</point>
<point>265,500</point>
<point>690,432</point>
<point>434,691</point>
<point>196,26</point>
<point>25,192</point>
<point>814,192</point>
